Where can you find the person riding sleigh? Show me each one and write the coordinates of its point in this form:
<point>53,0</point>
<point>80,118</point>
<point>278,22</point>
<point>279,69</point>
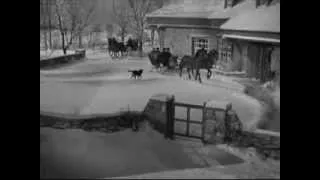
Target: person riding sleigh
<point>201,51</point>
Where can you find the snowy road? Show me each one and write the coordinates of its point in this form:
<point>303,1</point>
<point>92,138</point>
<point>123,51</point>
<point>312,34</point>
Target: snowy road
<point>103,86</point>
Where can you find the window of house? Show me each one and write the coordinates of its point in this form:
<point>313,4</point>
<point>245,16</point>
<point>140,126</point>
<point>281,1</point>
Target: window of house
<point>198,43</point>
<point>225,50</point>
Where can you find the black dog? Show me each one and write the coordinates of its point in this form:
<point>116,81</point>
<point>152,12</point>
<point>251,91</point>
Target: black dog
<point>137,74</point>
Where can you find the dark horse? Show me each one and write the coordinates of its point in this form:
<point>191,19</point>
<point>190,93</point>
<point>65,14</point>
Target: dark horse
<point>115,48</point>
<point>132,44</point>
<point>201,60</point>
<point>153,57</point>
<point>164,57</point>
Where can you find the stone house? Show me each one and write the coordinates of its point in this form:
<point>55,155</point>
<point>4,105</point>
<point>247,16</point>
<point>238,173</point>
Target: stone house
<point>233,27</point>
<point>183,26</point>
<point>254,36</point>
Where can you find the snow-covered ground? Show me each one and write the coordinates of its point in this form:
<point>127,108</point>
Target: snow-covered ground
<point>58,52</point>
<point>101,85</point>
<point>54,53</point>
<point>143,154</point>
<point>79,154</point>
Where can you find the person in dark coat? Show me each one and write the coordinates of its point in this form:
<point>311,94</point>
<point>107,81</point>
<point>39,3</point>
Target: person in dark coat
<point>153,57</point>
<point>164,57</point>
<point>168,53</point>
<point>201,51</point>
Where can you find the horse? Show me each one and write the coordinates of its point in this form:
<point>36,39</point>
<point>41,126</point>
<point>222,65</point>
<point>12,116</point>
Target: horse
<point>112,47</point>
<point>201,60</point>
<point>153,57</point>
<point>116,48</point>
<point>205,61</point>
<point>163,58</point>
<point>132,44</point>
<point>187,62</point>
<point>122,49</point>
<point>173,62</point>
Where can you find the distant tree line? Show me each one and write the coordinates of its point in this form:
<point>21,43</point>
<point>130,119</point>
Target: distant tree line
<point>69,17</point>
<point>72,20</point>
<point>131,17</point>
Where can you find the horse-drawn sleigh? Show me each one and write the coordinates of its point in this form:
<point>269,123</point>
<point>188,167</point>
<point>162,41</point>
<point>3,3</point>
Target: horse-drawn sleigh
<point>163,59</point>
<point>119,49</point>
<point>193,64</point>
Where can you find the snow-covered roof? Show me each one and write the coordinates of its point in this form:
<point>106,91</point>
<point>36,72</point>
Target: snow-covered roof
<point>251,38</point>
<point>229,12</point>
<point>264,18</point>
<point>244,16</point>
<point>189,9</point>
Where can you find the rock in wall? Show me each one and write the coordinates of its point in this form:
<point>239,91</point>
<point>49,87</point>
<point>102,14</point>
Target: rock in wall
<point>156,112</point>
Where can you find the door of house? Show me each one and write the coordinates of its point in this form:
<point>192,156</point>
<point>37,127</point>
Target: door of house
<point>198,43</point>
<point>259,61</point>
<point>266,74</point>
<point>225,49</point>
<point>253,57</point>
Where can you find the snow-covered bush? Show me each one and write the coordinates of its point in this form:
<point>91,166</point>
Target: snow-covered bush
<point>269,95</point>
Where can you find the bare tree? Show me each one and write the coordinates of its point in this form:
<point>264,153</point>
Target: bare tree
<point>44,22</point>
<point>139,10</point>
<point>49,9</point>
<point>72,18</point>
<point>121,14</point>
<point>93,32</point>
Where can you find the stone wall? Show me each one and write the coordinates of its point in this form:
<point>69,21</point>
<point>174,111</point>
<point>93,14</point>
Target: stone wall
<point>214,125</point>
<point>61,60</point>
<point>266,143</point>
<point>157,113</point>
<point>222,125</point>
<point>226,126</point>
<point>229,129</point>
<point>103,123</point>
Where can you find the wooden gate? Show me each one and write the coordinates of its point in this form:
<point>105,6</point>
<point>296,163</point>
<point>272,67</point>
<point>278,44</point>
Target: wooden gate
<point>188,122</point>
<point>208,124</point>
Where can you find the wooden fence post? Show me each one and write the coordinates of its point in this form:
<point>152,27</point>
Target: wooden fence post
<point>169,132</point>
<point>203,122</point>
